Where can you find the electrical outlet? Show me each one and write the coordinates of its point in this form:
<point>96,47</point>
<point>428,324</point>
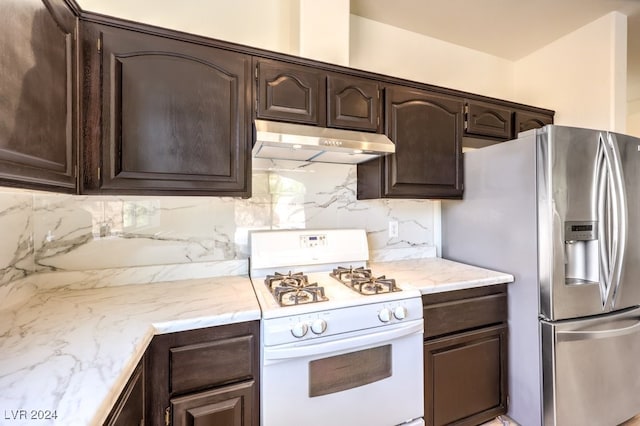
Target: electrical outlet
<point>393,229</point>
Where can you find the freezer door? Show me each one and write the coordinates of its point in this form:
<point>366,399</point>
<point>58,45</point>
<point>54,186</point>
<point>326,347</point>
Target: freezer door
<point>591,373</point>
<point>587,244</point>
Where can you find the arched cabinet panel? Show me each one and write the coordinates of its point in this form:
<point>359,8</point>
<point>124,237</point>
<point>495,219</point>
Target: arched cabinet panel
<point>488,120</point>
<point>353,103</point>
<point>290,92</point>
<point>174,116</point>
<point>427,130</point>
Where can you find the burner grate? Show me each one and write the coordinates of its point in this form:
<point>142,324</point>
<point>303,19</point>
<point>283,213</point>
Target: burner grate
<point>294,289</point>
<point>363,281</point>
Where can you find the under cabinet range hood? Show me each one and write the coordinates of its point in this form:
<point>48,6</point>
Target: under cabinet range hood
<point>287,141</point>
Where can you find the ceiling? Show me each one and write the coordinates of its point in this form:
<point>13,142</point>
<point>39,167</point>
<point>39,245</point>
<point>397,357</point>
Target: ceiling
<point>510,29</point>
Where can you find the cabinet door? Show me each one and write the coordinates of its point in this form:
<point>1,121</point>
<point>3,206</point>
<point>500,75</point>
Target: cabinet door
<point>190,369</point>
<point>353,103</point>
<point>489,120</point>
<point>465,377</point>
<point>530,120</point>
<point>129,409</point>
<point>227,406</point>
<point>427,131</point>
<point>290,92</point>
<point>38,111</point>
<point>174,115</point>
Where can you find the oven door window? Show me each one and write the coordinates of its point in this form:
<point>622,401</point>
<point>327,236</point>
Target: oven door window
<point>348,371</point>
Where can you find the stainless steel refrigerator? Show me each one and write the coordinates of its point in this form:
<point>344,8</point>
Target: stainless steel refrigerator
<point>559,208</point>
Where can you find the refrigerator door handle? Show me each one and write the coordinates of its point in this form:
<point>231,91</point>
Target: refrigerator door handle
<point>573,335</point>
<point>619,218</point>
<point>601,183</point>
<point>612,214</point>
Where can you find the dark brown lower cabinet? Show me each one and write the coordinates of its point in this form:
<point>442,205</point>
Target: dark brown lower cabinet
<point>202,377</point>
<point>205,377</point>
<point>129,409</point>
<point>465,356</point>
<point>465,376</point>
<point>227,406</point>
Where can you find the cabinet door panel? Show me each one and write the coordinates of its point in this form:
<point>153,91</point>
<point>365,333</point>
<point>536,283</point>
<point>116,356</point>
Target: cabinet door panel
<point>427,131</point>
<point>488,120</point>
<point>228,406</point>
<point>37,99</point>
<point>529,120</point>
<point>290,93</point>
<point>466,377</point>
<point>353,103</point>
<point>174,116</point>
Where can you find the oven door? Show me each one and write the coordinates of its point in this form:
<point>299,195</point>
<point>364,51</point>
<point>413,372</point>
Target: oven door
<point>362,378</point>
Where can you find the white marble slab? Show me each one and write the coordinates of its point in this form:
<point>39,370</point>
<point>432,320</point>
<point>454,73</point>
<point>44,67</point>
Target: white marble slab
<point>435,275</point>
<point>16,248</point>
<point>72,351</point>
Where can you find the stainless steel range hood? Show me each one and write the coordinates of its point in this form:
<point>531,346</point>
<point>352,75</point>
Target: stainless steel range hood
<point>310,143</point>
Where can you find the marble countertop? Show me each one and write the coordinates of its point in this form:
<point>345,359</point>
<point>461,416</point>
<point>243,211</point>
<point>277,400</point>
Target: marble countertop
<point>71,351</point>
<point>434,275</point>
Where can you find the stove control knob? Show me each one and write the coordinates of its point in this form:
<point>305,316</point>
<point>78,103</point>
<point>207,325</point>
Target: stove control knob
<point>319,326</point>
<point>384,315</point>
<point>299,329</point>
<point>400,312</point>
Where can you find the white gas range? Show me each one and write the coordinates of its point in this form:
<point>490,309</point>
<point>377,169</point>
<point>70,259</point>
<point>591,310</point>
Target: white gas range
<point>341,344</point>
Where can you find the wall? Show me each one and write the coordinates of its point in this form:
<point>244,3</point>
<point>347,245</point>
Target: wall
<point>633,118</point>
<point>53,232</point>
<point>582,76</point>
<point>324,30</point>
<point>393,51</point>
<point>268,24</point>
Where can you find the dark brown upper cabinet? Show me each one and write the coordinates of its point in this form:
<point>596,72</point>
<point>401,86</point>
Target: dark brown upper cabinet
<point>525,120</point>
<point>426,128</point>
<point>309,95</point>
<point>353,103</point>
<point>288,92</point>
<point>38,111</point>
<point>164,116</point>
<point>484,119</point>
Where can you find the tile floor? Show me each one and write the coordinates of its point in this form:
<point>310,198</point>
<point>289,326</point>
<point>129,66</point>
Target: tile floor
<point>505,421</point>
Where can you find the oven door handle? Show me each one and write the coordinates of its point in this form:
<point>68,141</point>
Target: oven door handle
<point>315,348</point>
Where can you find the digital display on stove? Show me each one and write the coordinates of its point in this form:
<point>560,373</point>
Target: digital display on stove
<point>313,240</point>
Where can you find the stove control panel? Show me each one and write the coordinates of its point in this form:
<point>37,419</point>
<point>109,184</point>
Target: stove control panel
<point>327,323</point>
<point>313,240</point>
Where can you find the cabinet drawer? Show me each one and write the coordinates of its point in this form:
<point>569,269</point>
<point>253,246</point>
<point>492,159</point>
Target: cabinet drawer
<point>210,364</point>
<point>444,315</point>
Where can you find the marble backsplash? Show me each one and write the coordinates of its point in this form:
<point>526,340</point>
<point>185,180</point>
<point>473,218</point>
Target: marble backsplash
<point>44,232</point>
